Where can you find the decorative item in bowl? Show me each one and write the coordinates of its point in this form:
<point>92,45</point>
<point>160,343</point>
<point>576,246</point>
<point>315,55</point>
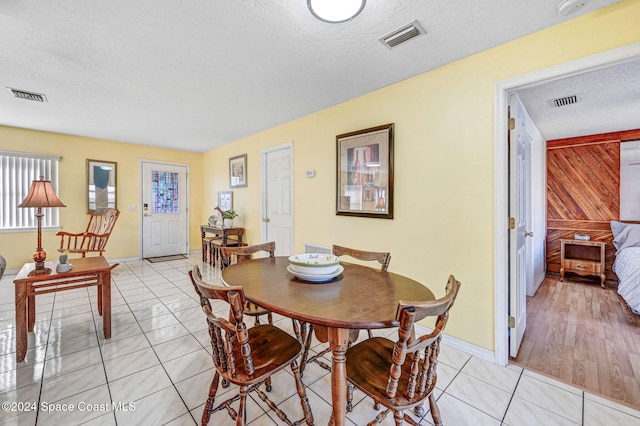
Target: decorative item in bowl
<point>314,263</point>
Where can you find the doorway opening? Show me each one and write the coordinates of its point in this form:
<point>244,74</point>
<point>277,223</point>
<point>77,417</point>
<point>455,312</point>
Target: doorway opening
<point>503,90</point>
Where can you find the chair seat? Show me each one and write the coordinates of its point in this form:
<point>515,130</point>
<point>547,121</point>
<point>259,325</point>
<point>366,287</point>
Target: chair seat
<point>272,350</point>
<point>368,369</point>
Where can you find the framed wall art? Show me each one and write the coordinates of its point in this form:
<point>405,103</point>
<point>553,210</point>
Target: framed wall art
<point>225,200</point>
<point>101,185</point>
<point>238,171</point>
<point>365,173</point>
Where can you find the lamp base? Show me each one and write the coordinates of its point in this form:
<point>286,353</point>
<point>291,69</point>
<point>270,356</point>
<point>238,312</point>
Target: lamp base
<point>43,271</point>
<point>39,257</point>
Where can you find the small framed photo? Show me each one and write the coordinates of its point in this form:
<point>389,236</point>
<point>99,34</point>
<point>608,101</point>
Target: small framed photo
<point>365,173</point>
<point>238,171</point>
<point>101,185</point>
<point>225,200</point>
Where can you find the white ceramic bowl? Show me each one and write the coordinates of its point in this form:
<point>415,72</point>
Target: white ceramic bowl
<point>314,263</point>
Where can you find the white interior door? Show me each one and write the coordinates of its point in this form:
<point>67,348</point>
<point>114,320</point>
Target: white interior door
<point>164,209</point>
<point>277,198</point>
<point>519,211</point>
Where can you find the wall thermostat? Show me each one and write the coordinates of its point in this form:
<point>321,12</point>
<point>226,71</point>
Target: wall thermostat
<point>311,173</point>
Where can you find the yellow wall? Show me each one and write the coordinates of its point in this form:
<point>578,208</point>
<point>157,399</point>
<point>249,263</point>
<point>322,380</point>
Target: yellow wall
<point>443,164</point>
<point>17,248</point>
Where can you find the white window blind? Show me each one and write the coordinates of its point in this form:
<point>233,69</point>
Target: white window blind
<point>17,171</point>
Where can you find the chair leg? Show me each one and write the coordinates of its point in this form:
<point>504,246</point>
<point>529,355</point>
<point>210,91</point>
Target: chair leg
<point>213,388</point>
<point>398,416</point>
<point>304,401</point>
<point>349,397</point>
<point>307,345</point>
<point>435,411</point>
<point>242,409</point>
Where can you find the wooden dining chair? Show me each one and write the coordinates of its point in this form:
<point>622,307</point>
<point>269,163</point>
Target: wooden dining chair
<point>246,356</point>
<point>383,258</point>
<point>242,254</point>
<point>400,375</point>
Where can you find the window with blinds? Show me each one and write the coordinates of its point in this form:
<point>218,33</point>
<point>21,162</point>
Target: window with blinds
<point>17,171</point>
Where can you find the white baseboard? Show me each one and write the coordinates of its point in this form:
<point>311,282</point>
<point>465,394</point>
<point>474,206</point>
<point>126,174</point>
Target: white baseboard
<point>461,345</point>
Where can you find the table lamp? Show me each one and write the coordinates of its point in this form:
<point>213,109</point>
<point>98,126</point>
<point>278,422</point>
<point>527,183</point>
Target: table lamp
<point>41,194</point>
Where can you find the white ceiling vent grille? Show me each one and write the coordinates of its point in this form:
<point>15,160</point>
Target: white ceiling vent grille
<point>567,100</point>
<point>30,96</point>
<point>401,35</point>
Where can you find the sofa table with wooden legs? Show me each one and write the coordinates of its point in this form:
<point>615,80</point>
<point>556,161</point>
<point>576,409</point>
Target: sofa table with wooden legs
<point>85,272</point>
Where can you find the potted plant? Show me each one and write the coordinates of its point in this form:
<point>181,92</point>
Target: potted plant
<point>227,217</point>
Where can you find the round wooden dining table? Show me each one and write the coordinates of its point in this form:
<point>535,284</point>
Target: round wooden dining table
<point>359,298</point>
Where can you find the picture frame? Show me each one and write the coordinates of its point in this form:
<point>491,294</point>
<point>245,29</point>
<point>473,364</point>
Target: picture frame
<point>238,171</point>
<point>101,184</point>
<point>364,173</point>
<point>225,200</point>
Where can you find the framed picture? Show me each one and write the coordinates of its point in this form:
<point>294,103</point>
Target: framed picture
<point>225,200</point>
<point>238,171</point>
<point>101,185</point>
<point>365,173</point>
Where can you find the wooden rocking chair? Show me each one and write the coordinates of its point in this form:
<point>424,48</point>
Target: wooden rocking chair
<point>94,239</point>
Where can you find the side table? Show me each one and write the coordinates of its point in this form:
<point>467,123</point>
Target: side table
<point>583,258</point>
<point>86,272</point>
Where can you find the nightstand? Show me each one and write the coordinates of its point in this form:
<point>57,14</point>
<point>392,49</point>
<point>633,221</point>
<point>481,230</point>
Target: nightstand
<point>582,258</point>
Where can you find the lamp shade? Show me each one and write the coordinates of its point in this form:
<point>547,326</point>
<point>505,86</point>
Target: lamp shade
<point>41,194</point>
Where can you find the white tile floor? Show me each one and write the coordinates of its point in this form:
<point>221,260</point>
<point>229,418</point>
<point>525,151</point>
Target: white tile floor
<point>156,368</point>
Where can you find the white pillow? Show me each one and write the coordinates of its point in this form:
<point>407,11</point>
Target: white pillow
<point>617,227</point>
<point>628,237</point>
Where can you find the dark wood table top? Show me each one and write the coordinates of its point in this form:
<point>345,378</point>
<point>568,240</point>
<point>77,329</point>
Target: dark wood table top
<point>361,297</point>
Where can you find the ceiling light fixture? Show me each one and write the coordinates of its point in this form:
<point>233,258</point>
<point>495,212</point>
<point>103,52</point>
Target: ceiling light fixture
<point>335,11</point>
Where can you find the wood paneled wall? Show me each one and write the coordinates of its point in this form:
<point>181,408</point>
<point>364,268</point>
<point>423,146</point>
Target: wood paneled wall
<point>583,195</point>
<point>583,191</point>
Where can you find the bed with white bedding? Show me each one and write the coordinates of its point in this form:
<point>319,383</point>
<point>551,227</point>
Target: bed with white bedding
<point>626,239</point>
<point>627,268</point>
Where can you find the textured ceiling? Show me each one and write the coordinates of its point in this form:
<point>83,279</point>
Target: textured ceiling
<point>198,74</point>
<point>608,101</point>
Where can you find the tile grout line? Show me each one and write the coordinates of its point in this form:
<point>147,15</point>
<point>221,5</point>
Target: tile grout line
<point>46,350</point>
<point>513,395</point>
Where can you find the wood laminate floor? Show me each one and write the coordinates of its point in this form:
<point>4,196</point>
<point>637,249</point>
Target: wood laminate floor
<point>585,335</point>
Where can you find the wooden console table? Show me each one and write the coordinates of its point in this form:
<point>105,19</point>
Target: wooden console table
<point>583,258</point>
<point>220,231</point>
<point>86,272</point>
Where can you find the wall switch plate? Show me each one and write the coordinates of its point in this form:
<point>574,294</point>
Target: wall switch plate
<point>132,207</point>
<point>311,173</point>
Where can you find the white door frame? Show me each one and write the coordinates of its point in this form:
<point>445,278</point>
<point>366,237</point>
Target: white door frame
<point>501,177</point>
<point>141,201</point>
<point>263,186</point>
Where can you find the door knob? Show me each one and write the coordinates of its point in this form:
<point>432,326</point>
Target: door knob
<point>266,219</point>
<point>147,215</point>
<point>528,234</point>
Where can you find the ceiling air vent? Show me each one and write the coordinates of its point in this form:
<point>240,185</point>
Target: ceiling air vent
<point>30,96</point>
<point>402,35</point>
<point>567,100</point>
